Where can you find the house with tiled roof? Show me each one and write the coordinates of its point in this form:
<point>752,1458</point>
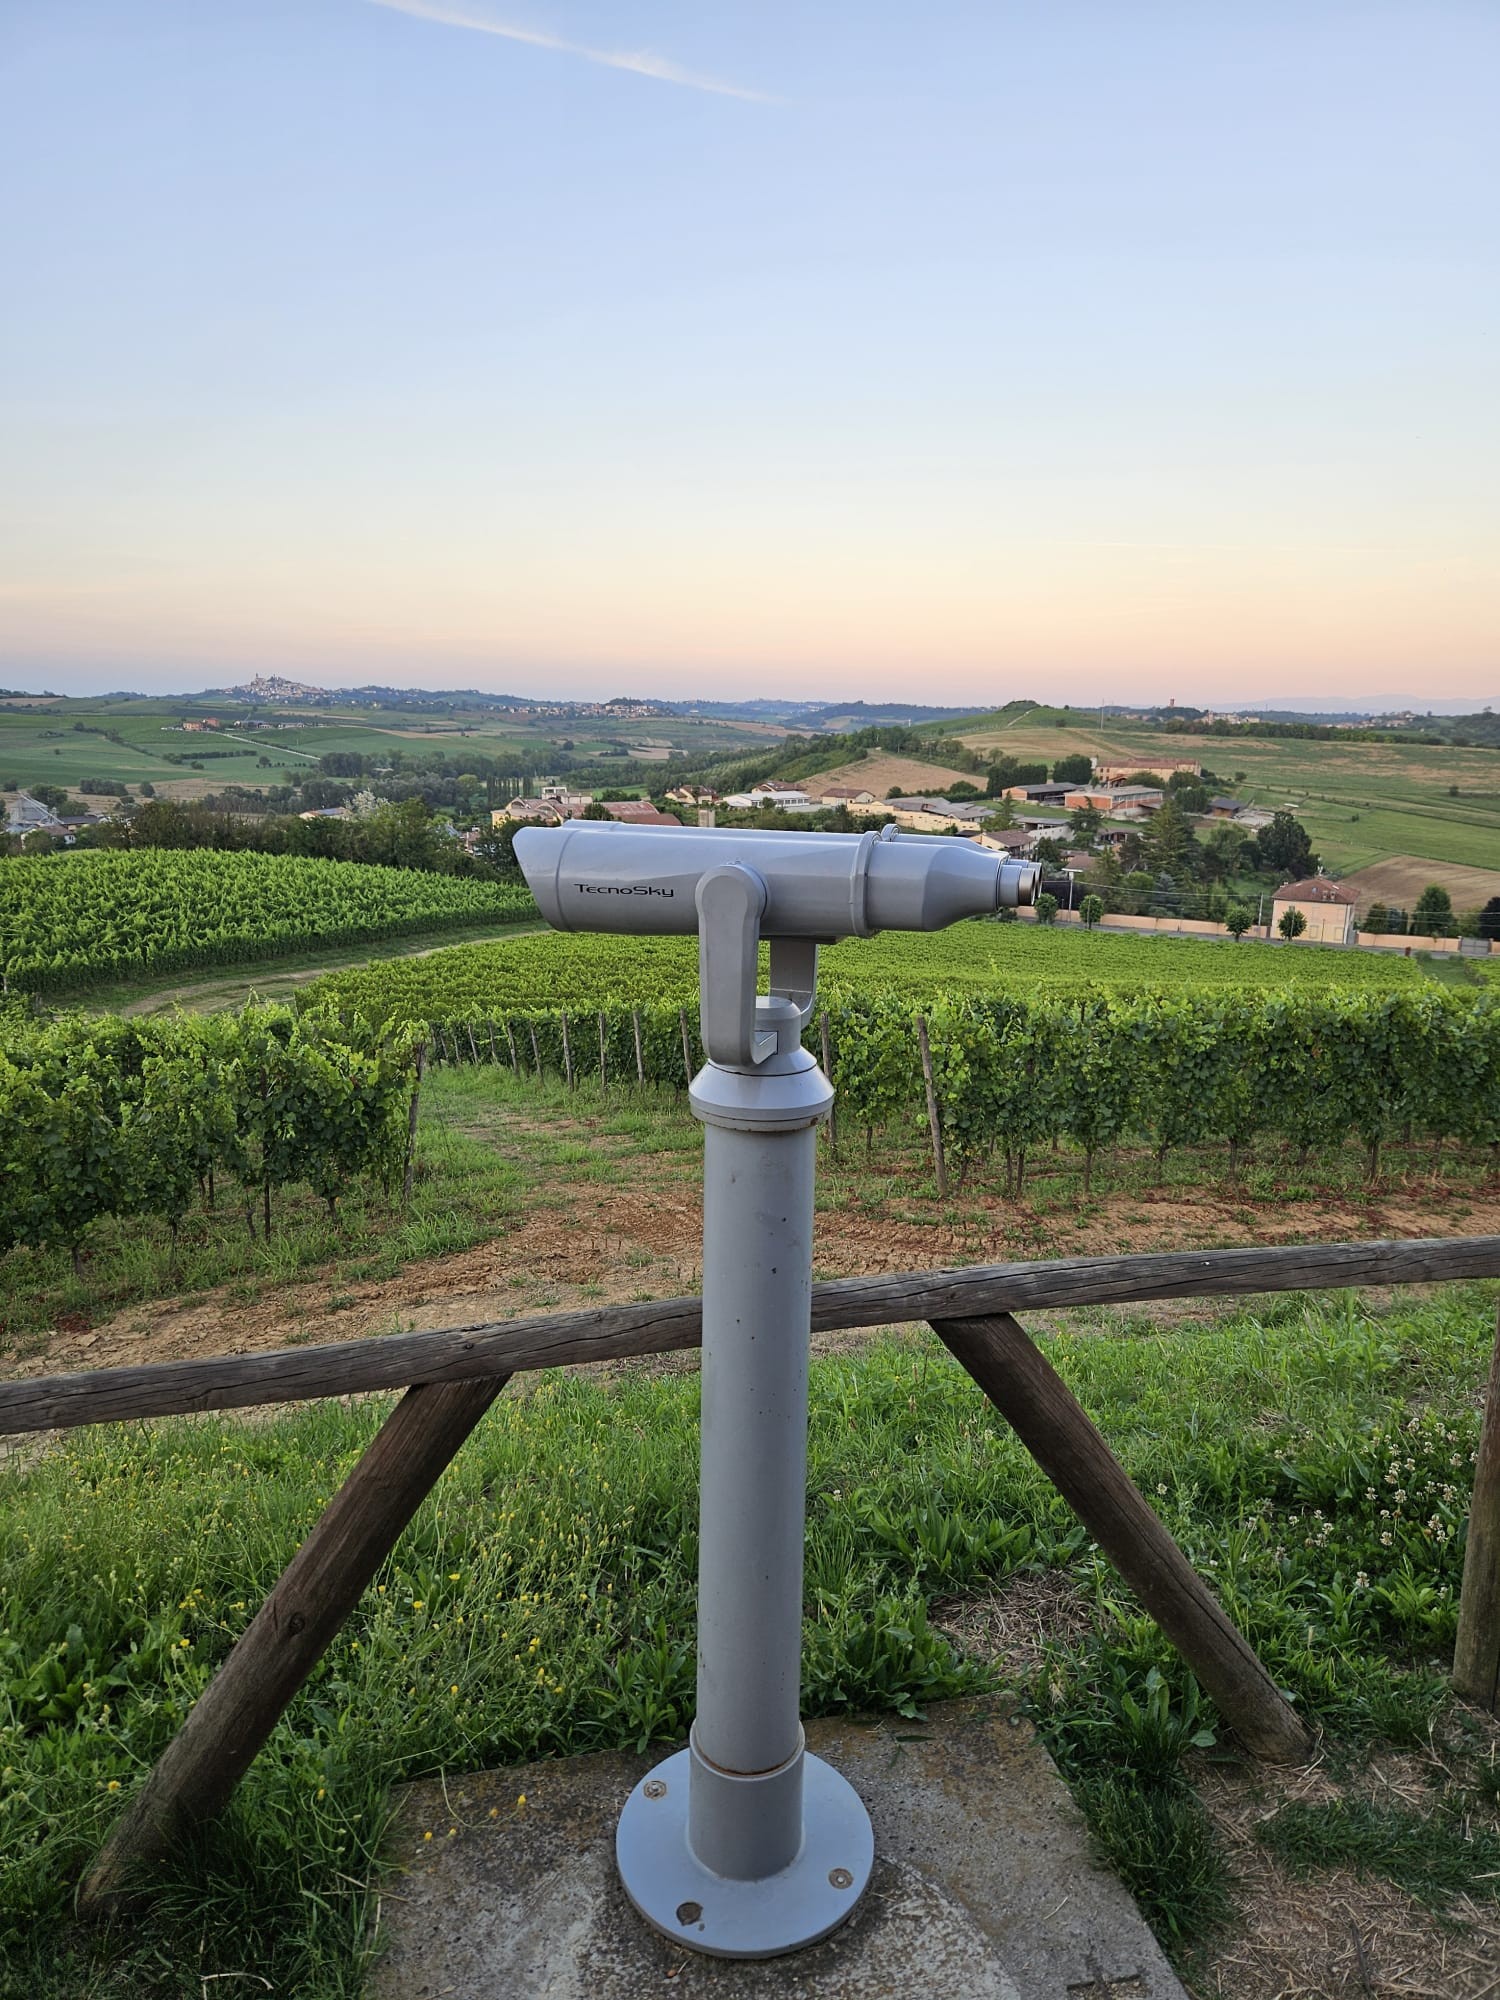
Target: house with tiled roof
<point>1327,906</point>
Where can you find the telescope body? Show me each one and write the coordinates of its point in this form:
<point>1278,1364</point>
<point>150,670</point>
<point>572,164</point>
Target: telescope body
<point>643,880</point>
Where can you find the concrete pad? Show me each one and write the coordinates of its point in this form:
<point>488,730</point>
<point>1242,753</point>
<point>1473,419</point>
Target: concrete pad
<point>984,1885</point>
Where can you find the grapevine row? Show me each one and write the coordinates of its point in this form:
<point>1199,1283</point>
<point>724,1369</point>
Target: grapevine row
<point>1013,1073</point>
<point>138,1118</point>
<point>70,920</point>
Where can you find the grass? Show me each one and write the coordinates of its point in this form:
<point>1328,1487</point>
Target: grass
<point>1432,1856</point>
<point>1313,1458</point>
<point>273,978</point>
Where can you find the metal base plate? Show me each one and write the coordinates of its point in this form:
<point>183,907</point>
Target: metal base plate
<point>710,1913</point>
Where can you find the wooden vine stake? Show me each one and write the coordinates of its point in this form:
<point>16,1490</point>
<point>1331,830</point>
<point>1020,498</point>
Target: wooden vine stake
<point>603,1072</point>
<point>687,1047</point>
<point>640,1066</point>
<point>1476,1655</point>
<point>833,1130</point>
<point>536,1054</point>
<point>1051,1423</point>
<point>289,1634</point>
<point>567,1053</point>
<point>473,1045</point>
<point>410,1165</point>
<point>935,1123</point>
<point>510,1043</point>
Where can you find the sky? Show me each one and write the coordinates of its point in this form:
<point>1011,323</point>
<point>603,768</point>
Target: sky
<point>1078,350</point>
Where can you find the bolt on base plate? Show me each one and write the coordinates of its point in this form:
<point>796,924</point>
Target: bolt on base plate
<point>725,1918</point>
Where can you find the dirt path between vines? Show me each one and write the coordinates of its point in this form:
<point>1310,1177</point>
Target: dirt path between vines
<point>588,1244</point>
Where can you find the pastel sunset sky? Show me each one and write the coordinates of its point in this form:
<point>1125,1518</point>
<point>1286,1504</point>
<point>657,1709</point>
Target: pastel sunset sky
<point>1105,349</point>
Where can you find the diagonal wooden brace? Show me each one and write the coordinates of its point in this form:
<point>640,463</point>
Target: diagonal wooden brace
<point>1052,1424</point>
<point>287,1637</point>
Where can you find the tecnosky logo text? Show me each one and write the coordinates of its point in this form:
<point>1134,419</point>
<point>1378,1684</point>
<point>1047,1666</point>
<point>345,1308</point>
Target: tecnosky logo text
<point>622,889</point>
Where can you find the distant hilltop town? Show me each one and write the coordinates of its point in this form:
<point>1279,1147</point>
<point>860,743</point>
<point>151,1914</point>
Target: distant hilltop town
<point>274,690</point>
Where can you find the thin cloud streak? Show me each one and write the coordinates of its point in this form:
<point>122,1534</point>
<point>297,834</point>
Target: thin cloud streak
<point>641,63</point>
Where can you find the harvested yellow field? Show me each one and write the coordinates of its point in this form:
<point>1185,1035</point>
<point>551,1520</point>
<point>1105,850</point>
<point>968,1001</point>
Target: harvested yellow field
<point>877,771</point>
<point>1402,878</point>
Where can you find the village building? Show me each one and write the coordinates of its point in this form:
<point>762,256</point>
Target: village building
<point>538,812</point>
<point>637,812</point>
<point>1120,774</point>
<point>1013,841</point>
<point>1327,906</point>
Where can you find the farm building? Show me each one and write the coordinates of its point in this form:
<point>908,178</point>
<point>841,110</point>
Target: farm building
<point>1110,798</point>
<point>1327,906</point>
<point>771,792</point>
<point>1038,795</point>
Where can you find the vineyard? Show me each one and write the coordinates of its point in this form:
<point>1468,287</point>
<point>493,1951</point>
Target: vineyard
<point>71,920</point>
<point>116,1118</point>
<point>551,970</point>
<point>1011,1073</point>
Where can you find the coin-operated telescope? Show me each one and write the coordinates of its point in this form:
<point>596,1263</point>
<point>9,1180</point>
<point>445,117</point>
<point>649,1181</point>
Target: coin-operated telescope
<point>742,1845</point>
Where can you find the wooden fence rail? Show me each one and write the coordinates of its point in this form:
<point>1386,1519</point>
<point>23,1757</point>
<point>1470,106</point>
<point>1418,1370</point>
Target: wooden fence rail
<point>455,1375</point>
<point>615,1333</point>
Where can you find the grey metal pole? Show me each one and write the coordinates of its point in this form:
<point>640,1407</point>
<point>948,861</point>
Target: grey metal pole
<point>756,1332</point>
<point>743,1846</point>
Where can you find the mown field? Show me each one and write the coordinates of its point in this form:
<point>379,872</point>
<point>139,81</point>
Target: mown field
<point>1360,802</point>
<point>549,970</point>
<point>70,920</point>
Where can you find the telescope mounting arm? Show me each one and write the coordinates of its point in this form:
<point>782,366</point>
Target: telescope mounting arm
<point>731,901</point>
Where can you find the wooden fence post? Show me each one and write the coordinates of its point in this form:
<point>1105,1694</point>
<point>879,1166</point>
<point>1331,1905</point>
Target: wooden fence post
<point>640,1066</point>
<point>411,1128</point>
<point>1052,1424</point>
<point>289,1634</point>
<point>935,1123</point>
<point>1476,1655</point>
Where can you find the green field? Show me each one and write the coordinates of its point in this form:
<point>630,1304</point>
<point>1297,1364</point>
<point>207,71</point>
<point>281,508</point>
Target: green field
<point>70,740</point>
<point>1359,801</point>
<point>550,970</point>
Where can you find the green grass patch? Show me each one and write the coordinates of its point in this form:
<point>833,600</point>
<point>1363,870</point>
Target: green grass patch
<point>1313,1458</point>
<point>1432,1856</point>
